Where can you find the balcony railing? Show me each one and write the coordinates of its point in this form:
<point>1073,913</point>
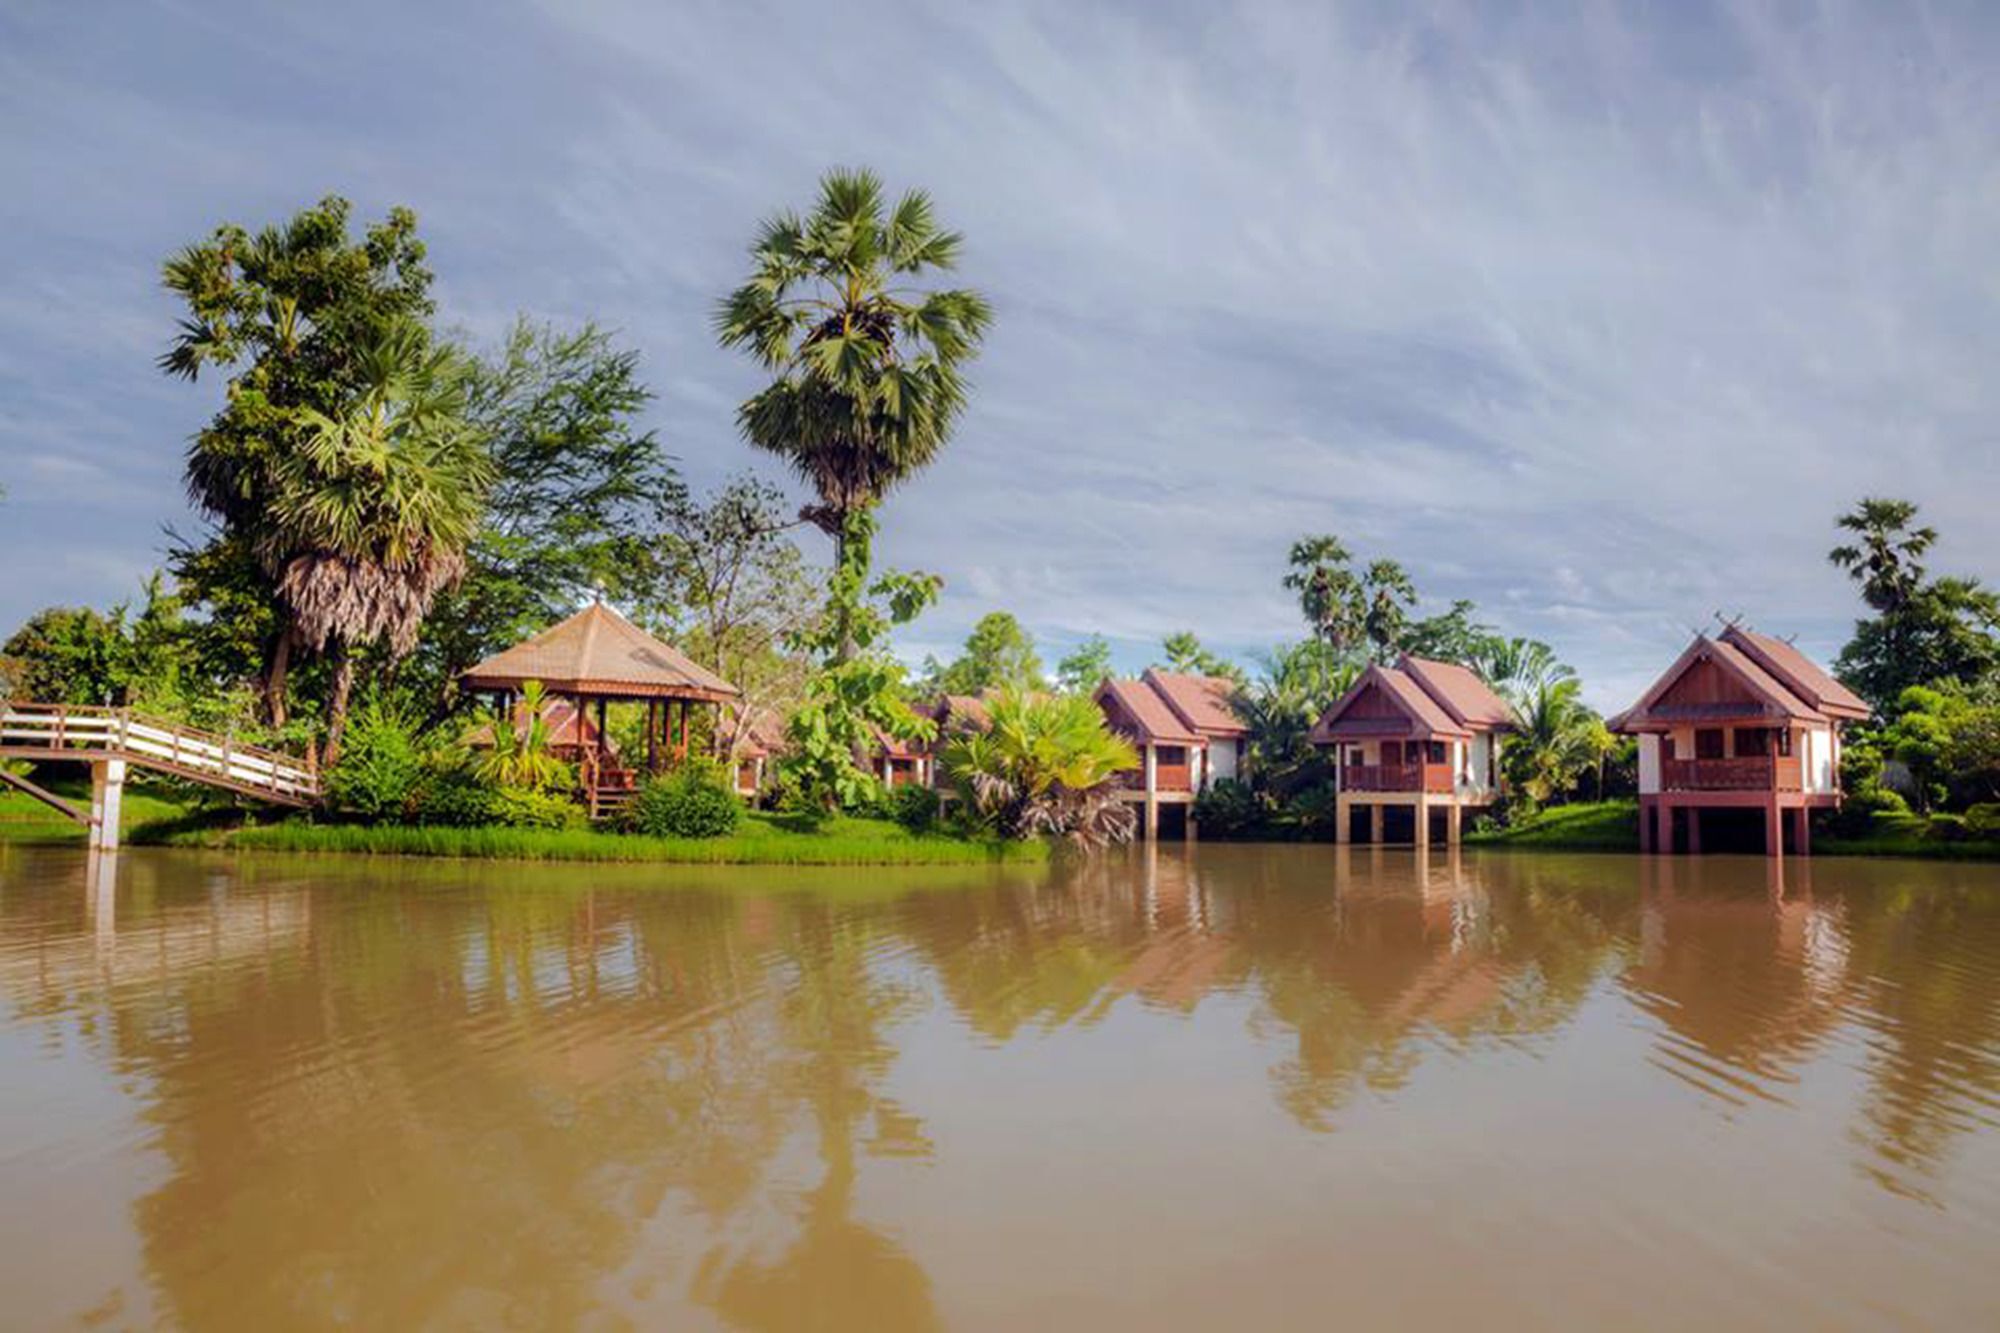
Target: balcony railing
<point>1435,779</point>
<point>1747,773</point>
<point>1166,777</point>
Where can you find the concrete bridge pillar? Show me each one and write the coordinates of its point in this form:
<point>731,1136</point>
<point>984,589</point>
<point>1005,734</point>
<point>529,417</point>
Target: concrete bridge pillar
<point>107,795</point>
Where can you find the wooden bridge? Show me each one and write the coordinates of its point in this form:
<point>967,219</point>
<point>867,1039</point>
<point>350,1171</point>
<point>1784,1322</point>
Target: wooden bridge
<point>111,739</point>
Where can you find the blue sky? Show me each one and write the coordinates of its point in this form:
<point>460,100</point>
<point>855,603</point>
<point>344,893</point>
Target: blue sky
<point>1596,318</point>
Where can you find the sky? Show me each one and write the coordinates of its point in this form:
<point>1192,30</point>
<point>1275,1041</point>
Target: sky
<point>1594,314</point>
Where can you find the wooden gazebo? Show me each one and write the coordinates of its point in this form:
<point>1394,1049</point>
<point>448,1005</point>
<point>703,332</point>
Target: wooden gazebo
<point>597,657</point>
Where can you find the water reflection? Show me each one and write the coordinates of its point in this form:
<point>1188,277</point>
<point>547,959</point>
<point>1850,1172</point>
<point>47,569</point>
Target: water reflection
<point>414,1094</point>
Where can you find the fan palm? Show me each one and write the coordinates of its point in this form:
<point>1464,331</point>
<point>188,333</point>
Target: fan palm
<point>1556,742</point>
<point>373,513</point>
<point>1043,767</point>
<point>868,374</point>
<point>1888,560</point>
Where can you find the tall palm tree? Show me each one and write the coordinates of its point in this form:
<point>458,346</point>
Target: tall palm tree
<point>868,372</point>
<point>373,514</point>
<point>1519,669</point>
<point>1888,560</point>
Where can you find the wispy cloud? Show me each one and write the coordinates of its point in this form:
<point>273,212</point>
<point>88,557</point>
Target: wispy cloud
<point>1596,320</point>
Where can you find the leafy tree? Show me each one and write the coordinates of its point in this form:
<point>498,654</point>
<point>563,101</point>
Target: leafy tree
<point>1924,630</point>
<point>577,492</point>
<point>1044,768</point>
<point>373,511</point>
<point>1185,652</point>
<point>999,654</point>
<point>67,655</point>
<point>867,374</point>
<point>291,310</point>
<point>734,591</point>
<point>1948,737</point>
<point>857,690</point>
<point>1451,636</point>
<point>1085,667</point>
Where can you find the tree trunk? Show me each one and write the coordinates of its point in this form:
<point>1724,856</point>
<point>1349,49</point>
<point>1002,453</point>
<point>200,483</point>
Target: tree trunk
<point>336,708</point>
<point>277,666</point>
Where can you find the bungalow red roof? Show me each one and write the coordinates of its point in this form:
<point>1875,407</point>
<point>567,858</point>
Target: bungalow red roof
<point>1201,702</point>
<point>1740,675</point>
<point>1140,711</point>
<point>1418,699</point>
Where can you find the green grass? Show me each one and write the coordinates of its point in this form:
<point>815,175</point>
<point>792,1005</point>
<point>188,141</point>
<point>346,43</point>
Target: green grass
<point>1597,826</point>
<point>160,819</point>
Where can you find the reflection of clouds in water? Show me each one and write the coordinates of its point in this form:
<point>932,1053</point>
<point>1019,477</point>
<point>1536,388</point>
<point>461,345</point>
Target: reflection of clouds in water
<point>594,1091</point>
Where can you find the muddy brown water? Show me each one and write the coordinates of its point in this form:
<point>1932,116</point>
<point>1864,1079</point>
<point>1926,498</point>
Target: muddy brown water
<point>1233,1088</point>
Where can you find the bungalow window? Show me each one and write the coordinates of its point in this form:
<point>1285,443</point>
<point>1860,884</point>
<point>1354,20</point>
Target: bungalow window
<point>1172,755</point>
<point>1434,752</point>
<point>1708,743</point>
<point>1753,742</point>
<point>1392,752</point>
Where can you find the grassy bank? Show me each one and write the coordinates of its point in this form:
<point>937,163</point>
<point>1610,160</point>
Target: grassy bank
<point>761,839</point>
<point>1610,826</point>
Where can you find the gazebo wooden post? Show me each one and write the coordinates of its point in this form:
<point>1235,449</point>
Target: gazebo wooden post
<point>652,735</point>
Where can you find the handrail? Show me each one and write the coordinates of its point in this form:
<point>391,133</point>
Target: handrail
<point>62,731</point>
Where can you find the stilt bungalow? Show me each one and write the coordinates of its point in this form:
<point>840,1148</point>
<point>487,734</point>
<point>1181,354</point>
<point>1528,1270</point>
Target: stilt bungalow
<point>901,763</point>
<point>956,715</point>
<point>1203,704</point>
<point>1741,723</point>
<point>596,658</point>
<point>1417,743</point>
<point>1170,755</point>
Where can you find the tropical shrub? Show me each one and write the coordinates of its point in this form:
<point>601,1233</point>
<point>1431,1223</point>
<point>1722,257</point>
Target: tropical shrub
<point>520,757</point>
<point>515,807</point>
<point>693,801</point>
<point>1983,820</point>
<point>1044,767</point>
<point>915,808</point>
<point>1229,809</point>
<point>1858,813</point>
<point>455,798</point>
<point>381,766</point>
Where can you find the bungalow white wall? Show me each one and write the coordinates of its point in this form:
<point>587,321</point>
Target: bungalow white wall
<point>1225,760</point>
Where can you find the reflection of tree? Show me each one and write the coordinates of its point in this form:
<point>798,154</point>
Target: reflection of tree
<point>1922,960</point>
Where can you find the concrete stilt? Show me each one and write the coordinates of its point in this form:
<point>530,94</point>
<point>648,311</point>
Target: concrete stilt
<point>1343,820</point>
<point>1802,831</point>
<point>1420,833</point>
<point>1694,830</point>
<point>1664,813</point>
<point>1454,824</point>
<point>1375,825</point>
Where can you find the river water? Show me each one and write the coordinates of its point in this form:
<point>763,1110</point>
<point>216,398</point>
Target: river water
<point>1252,1088</point>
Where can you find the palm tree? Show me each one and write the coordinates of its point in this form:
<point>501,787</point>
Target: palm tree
<point>1043,767</point>
<point>1888,561</point>
<point>373,513</point>
<point>1520,668</point>
<point>868,374</point>
<point>1556,741</point>
<point>521,755</point>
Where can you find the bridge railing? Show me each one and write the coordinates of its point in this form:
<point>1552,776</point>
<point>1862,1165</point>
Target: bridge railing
<point>60,729</point>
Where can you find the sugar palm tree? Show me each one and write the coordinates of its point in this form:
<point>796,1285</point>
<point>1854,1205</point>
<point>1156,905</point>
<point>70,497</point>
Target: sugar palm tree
<point>867,372</point>
<point>1887,561</point>
<point>373,514</point>
<point>1043,767</point>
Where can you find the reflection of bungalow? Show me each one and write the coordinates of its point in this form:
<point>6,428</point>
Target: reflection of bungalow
<point>1420,736</point>
<point>1740,722</point>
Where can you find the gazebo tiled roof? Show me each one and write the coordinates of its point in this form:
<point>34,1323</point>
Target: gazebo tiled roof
<point>598,652</point>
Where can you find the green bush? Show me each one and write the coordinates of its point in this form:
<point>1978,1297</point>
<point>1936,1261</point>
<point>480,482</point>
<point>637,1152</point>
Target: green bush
<point>1856,817</point>
<point>454,798</point>
<point>381,765</point>
<point>1315,809</point>
<point>915,808</point>
<point>694,801</point>
<point>515,807</point>
<point>1983,820</point>
<point>1229,809</point>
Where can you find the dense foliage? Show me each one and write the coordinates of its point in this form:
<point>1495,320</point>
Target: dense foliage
<point>1044,767</point>
<point>692,801</point>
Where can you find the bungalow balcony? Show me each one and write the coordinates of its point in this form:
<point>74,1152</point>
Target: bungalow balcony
<point>1431,779</point>
<point>1767,772</point>
<point>1166,777</point>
